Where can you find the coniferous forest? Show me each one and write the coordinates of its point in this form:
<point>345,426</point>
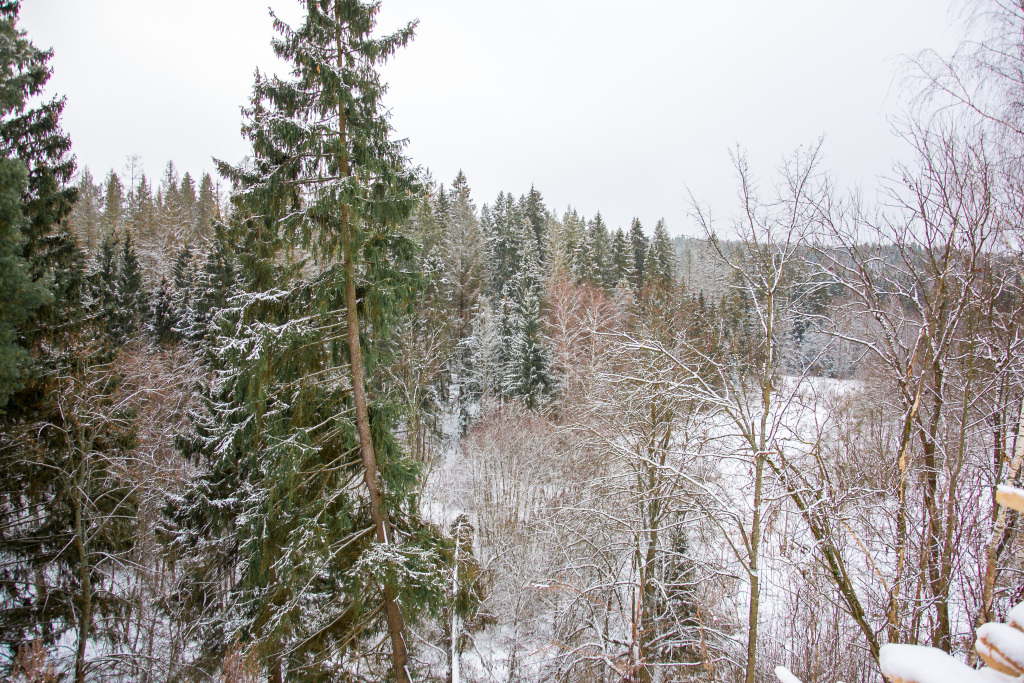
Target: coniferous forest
<point>320,416</point>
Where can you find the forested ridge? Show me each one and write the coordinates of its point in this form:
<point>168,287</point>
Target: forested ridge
<point>320,416</point>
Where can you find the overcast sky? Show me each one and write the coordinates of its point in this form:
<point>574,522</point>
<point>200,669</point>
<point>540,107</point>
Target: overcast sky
<point>607,106</point>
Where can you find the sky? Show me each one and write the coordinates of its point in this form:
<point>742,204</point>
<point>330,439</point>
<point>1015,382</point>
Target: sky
<point>623,108</point>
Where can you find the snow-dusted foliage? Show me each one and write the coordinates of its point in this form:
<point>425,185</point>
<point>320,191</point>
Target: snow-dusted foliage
<point>353,428</point>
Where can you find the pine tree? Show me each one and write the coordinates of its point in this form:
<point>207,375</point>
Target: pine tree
<point>188,216</point>
<point>526,370</point>
<point>515,297</point>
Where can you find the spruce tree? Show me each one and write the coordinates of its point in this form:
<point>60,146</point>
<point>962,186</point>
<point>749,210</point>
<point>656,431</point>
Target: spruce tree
<point>599,243</point>
<point>326,176</point>
<point>20,297</point>
<point>536,214</point>
<point>207,207</point>
<point>639,244</point>
<point>85,217</point>
<point>623,267</point>
<point>113,217</point>
<point>131,297</point>
<point>143,218</point>
<point>661,258</point>
<point>574,244</point>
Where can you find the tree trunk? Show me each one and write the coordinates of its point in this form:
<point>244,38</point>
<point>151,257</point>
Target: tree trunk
<point>999,530</point>
<point>85,616</point>
<point>755,579</point>
<point>396,623</point>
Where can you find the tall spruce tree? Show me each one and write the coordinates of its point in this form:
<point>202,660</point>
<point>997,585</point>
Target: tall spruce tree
<point>326,176</point>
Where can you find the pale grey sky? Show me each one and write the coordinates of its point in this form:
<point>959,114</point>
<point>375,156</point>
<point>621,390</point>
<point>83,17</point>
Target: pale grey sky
<point>602,105</point>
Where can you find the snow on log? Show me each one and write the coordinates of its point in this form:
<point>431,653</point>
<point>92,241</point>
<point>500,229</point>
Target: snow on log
<point>1016,617</point>
<point>785,675</point>
<point>917,664</point>
<point>1010,497</point>
<point>988,675</point>
<point>1001,647</point>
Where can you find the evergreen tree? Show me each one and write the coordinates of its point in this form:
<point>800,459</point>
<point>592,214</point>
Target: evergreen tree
<point>574,244</point>
<point>599,248</point>
<point>661,258</point>
<point>113,217</point>
<point>526,370</point>
<point>207,208</point>
<point>163,313</point>
<point>338,190</point>
<point>639,244</point>
<point>19,295</point>
<point>85,217</point>
<point>175,226</point>
<point>516,293</point>
<point>188,216</point>
<point>143,217</point>
<point>462,249</point>
<point>623,267</point>
<point>104,279</point>
<point>511,244</point>
<point>131,298</point>
<point>536,214</point>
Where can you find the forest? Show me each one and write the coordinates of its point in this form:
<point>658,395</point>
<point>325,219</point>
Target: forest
<point>320,416</point>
